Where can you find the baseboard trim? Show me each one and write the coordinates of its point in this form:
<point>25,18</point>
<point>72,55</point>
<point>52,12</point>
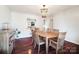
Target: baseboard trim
<point>72,42</point>
<point>24,38</point>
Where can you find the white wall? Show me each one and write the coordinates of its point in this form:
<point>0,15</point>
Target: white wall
<point>4,15</point>
<point>68,21</point>
<point>19,21</point>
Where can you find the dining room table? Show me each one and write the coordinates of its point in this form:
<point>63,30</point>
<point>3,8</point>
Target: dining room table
<point>47,36</point>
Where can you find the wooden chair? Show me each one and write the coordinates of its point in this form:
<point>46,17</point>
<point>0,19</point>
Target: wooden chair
<point>33,34</point>
<point>52,30</point>
<point>55,30</point>
<point>48,29</point>
<point>58,45</point>
<point>38,41</point>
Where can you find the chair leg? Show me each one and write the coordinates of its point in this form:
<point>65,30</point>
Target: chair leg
<point>32,41</point>
<point>62,50</point>
<point>34,44</point>
<point>56,51</point>
<point>38,49</point>
<point>59,50</point>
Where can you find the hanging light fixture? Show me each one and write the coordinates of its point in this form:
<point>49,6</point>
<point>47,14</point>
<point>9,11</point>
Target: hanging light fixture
<point>44,11</point>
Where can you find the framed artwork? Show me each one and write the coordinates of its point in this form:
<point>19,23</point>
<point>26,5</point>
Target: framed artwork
<point>31,22</point>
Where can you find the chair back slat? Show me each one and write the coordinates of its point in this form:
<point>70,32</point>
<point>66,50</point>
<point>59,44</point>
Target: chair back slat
<point>55,30</point>
<point>37,39</point>
<point>60,41</point>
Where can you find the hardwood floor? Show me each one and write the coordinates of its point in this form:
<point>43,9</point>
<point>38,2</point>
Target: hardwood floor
<point>22,46</point>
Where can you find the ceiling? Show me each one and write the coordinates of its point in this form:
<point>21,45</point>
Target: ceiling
<point>35,9</point>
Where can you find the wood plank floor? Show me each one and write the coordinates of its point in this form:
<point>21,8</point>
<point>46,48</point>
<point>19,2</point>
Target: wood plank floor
<point>22,46</point>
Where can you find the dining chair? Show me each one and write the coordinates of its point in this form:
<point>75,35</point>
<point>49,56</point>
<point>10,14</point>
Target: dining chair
<point>38,41</point>
<point>55,30</point>
<point>58,44</point>
<point>33,34</point>
<point>48,29</point>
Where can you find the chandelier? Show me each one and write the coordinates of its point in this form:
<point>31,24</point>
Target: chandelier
<point>44,11</point>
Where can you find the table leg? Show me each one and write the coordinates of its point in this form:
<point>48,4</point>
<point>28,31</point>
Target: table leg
<point>46,45</point>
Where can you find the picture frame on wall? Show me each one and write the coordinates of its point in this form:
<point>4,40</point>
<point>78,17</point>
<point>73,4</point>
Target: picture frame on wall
<point>31,22</point>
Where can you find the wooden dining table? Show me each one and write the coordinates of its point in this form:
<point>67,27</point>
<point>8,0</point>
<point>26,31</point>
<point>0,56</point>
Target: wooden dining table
<point>47,36</point>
